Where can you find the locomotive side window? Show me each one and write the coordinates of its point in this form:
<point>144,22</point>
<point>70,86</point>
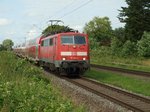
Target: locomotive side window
<point>67,40</point>
<point>46,42</point>
<point>51,42</point>
<point>79,40</point>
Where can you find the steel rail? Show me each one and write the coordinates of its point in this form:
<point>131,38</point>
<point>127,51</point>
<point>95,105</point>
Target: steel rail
<point>122,70</point>
<point>126,99</point>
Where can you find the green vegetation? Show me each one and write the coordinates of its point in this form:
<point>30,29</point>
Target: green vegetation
<point>129,83</point>
<point>23,90</point>
<point>127,47</point>
<point>100,29</point>
<point>144,45</point>
<point>136,15</point>
<point>7,44</point>
<point>103,56</point>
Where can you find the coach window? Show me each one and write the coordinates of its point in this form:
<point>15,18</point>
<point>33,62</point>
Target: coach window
<point>51,42</point>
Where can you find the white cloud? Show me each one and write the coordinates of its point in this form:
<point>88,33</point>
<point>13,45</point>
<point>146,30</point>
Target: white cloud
<point>4,21</point>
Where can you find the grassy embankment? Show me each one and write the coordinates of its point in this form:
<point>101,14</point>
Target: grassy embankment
<point>103,57</point>
<point>133,84</point>
<point>23,90</point>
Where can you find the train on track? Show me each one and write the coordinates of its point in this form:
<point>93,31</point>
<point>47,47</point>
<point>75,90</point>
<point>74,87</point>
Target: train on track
<point>66,52</point>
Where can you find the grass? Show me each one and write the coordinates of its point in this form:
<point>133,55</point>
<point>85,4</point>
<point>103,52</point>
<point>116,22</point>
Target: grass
<point>129,83</point>
<point>103,57</point>
<point>23,90</point>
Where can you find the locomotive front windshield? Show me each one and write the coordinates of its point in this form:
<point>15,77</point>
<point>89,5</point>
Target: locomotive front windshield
<point>73,40</point>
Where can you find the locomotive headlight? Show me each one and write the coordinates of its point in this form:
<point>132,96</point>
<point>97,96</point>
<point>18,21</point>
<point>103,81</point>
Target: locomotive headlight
<point>63,59</point>
<point>84,58</point>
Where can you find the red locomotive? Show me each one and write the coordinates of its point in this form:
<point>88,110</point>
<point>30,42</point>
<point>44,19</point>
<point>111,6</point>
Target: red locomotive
<point>64,52</point>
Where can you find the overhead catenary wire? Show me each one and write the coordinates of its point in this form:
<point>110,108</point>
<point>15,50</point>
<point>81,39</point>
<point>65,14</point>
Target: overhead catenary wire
<point>68,13</point>
<point>59,11</point>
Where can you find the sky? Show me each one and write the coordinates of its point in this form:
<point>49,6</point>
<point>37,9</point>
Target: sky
<point>21,20</point>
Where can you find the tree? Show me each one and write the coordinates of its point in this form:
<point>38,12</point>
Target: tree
<point>56,29</point>
<point>144,45</point>
<point>100,29</point>
<point>7,44</point>
<point>1,47</point>
<point>119,33</point>
<point>137,18</point>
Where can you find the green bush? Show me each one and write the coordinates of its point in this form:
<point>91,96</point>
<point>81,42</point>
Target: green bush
<point>144,45</point>
<point>93,43</point>
<point>116,46</point>
<point>22,89</point>
<point>129,48</point>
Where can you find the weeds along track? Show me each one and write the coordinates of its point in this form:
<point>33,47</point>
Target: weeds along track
<point>126,99</point>
<point>127,71</point>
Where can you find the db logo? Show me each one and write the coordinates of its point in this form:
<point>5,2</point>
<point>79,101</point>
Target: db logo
<point>74,53</point>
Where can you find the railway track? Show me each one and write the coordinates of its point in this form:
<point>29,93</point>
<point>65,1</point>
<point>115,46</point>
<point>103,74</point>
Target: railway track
<point>126,99</point>
<point>127,71</point>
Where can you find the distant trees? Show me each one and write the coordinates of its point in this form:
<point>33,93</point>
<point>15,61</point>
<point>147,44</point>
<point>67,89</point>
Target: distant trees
<point>99,29</point>
<point>7,44</point>
<point>119,33</point>
<point>132,40</point>
<point>137,18</point>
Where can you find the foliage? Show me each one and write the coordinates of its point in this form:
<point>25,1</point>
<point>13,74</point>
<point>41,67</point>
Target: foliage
<point>7,44</point>
<point>23,90</point>
<point>137,18</point>
<point>119,33</point>
<point>116,46</point>
<point>144,45</point>
<point>93,43</point>
<point>100,52</point>
<point>103,56</point>
<point>100,29</point>
<point>56,29</point>
<point>1,47</point>
<point>129,49</point>
<point>120,49</point>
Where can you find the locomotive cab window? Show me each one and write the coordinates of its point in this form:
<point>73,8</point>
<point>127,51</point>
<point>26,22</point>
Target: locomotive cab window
<point>79,40</point>
<point>67,40</point>
<point>73,40</point>
<point>46,42</point>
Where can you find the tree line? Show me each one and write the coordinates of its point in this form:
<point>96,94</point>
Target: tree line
<point>133,39</point>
